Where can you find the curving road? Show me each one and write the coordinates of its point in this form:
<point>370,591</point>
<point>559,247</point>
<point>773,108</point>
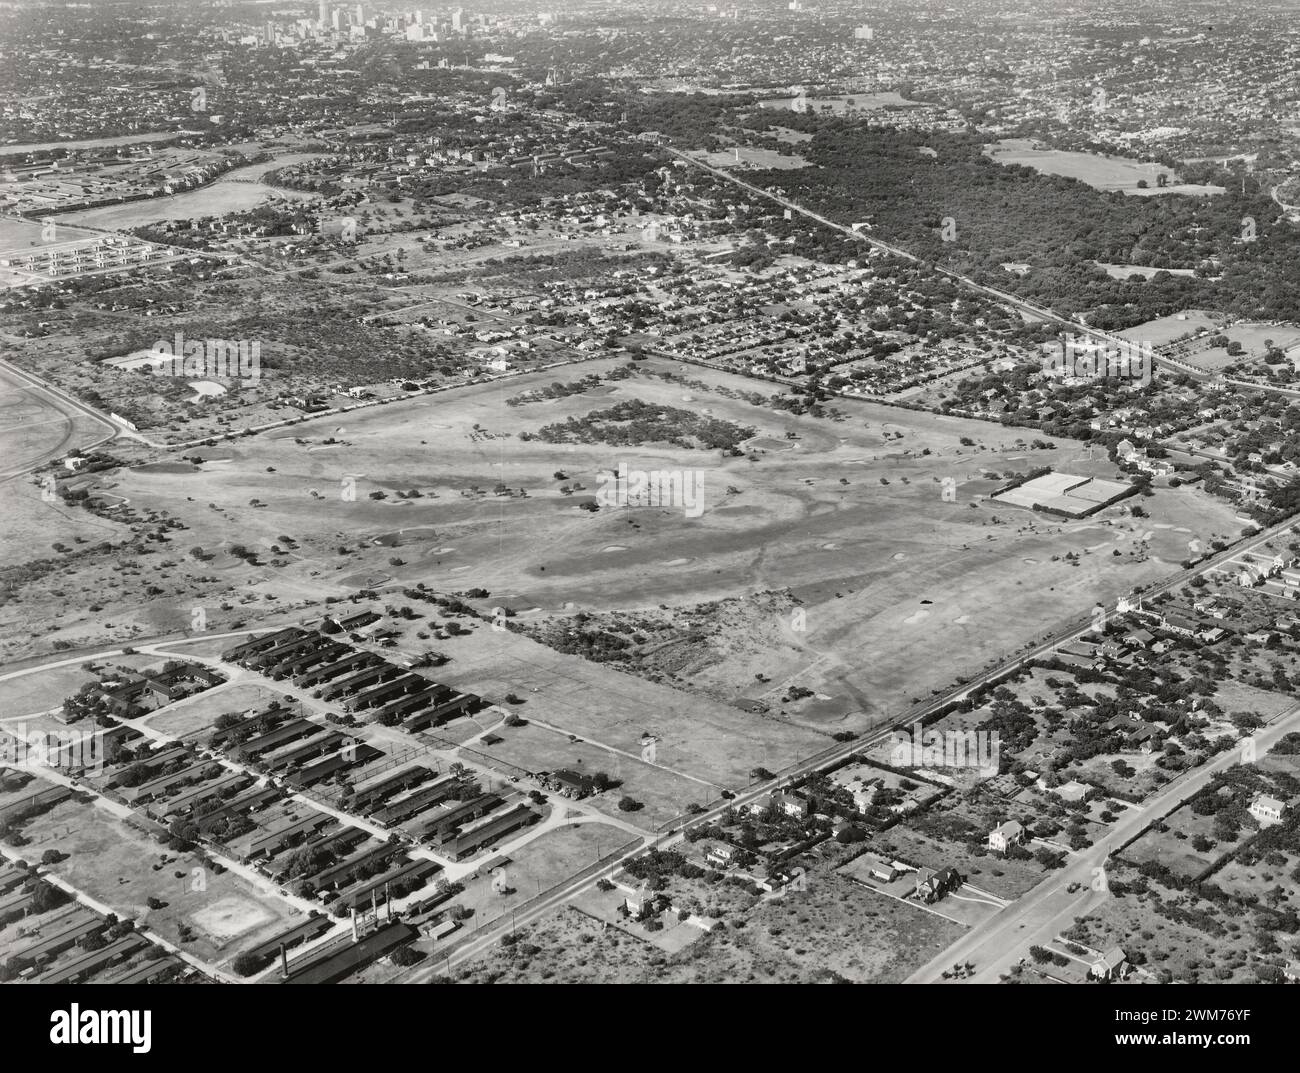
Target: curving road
<point>66,409</point>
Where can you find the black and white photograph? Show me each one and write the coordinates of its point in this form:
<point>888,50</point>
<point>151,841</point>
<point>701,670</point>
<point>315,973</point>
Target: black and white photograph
<point>650,492</point>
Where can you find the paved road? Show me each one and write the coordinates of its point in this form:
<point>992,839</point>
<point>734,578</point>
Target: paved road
<point>1038,916</point>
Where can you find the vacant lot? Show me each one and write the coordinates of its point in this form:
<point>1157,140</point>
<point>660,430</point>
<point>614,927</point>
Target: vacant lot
<point>1174,936</point>
<point>1173,847</point>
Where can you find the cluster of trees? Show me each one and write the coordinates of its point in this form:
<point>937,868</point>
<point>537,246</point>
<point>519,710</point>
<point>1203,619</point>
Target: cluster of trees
<point>634,423</point>
<point>1059,226</point>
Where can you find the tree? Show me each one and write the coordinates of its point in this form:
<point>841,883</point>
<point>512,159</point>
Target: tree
<point>245,964</point>
<point>406,955</point>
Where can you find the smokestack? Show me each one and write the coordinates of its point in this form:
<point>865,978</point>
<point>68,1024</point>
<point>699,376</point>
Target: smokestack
<point>284,960</point>
<point>388,901</point>
<point>355,937</point>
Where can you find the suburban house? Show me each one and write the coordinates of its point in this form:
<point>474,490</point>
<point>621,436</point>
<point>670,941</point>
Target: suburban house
<point>1267,809</point>
<point>1112,965</point>
<point>1139,638</point>
<point>1067,791</point>
<point>641,904</point>
<point>931,886</point>
<point>722,855</point>
<point>881,869</point>
<point>790,804</point>
<point>1001,838</point>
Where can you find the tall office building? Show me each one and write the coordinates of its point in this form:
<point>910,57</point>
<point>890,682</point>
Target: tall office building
<point>324,17</point>
<point>361,15</point>
<point>458,20</point>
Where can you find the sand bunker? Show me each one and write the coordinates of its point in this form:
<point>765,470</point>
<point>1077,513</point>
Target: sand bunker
<point>405,536</point>
<point>167,467</point>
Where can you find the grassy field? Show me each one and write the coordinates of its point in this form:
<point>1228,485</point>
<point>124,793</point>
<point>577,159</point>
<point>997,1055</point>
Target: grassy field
<point>1099,172</point>
<point>192,717</point>
<point>712,743</point>
<point>538,867</point>
<point>1166,329</point>
<point>743,156</point>
<point>1252,338</point>
<point>663,793</point>
<point>19,235</point>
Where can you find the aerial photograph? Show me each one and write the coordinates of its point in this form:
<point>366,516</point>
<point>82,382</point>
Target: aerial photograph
<point>651,492</point>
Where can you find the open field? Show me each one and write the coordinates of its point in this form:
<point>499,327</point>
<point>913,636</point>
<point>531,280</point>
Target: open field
<point>1099,172</point>
<point>21,236</point>
<point>663,793</point>
<point>538,867</point>
<point>742,156</point>
<point>1164,330</point>
<point>193,716</point>
<point>890,576</point>
<point>1253,338</point>
<point>1172,847</point>
<point>1146,272</point>
<point>711,742</point>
